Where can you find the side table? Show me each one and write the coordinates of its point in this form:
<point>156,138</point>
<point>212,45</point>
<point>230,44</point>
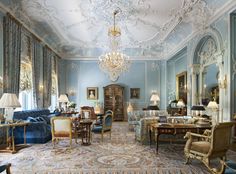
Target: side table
<point>11,147</point>
<point>86,136</point>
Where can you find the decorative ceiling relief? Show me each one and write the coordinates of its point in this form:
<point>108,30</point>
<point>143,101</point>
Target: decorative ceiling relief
<point>78,28</point>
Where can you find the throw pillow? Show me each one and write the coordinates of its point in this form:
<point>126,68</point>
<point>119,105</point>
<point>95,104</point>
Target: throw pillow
<point>41,119</point>
<point>46,118</point>
<point>31,119</point>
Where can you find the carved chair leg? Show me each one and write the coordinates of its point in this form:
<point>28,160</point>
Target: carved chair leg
<point>187,161</point>
<point>71,142</point>
<point>102,136</point>
<point>8,169</point>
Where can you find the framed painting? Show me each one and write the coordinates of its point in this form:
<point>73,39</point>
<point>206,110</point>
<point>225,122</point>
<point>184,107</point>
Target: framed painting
<point>181,86</point>
<point>134,93</point>
<point>92,93</point>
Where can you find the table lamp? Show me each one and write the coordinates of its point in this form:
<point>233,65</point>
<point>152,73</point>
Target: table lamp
<point>97,108</point>
<point>214,107</point>
<point>154,98</point>
<point>197,108</point>
<point>63,99</point>
<point>130,108</point>
<point>180,103</point>
<point>9,101</point>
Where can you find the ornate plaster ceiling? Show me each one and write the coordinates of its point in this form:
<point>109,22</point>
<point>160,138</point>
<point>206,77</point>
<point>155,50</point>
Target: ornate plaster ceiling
<point>78,28</point>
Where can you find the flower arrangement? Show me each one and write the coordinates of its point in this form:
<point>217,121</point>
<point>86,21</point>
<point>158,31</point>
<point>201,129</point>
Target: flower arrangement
<point>71,104</point>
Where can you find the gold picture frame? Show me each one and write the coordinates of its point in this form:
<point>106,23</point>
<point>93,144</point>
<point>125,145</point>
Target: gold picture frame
<point>134,93</point>
<point>92,93</point>
<point>181,86</point>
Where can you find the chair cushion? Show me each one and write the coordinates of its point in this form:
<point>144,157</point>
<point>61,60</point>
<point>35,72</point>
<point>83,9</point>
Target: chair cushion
<point>201,146</point>
<point>231,167</point>
<point>97,129</point>
<point>61,134</point>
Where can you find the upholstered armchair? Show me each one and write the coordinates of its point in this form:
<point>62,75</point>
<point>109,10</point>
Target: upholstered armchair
<point>61,129</point>
<point>5,167</point>
<point>105,127</point>
<point>141,129</point>
<point>209,146</point>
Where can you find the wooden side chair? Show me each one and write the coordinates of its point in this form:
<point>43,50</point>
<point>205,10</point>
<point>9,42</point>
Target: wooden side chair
<point>87,111</point>
<point>61,129</point>
<point>105,127</point>
<point>5,167</point>
<point>209,146</point>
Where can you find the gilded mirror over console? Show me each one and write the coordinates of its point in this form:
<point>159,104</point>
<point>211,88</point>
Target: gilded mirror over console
<point>181,86</point>
<point>207,71</point>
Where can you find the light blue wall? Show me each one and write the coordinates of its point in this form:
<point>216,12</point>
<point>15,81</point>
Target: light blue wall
<point>175,65</point>
<point>76,76</point>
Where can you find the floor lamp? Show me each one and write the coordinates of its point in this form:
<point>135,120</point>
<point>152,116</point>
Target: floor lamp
<point>9,101</point>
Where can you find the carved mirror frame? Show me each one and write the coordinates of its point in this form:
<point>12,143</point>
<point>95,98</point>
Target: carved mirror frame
<point>202,59</point>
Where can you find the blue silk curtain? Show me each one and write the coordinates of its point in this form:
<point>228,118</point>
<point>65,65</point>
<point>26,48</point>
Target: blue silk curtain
<point>36,57</point>
<point>12,54</point>
<point>47,76</point>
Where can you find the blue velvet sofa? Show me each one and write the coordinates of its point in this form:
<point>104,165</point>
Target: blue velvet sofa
<point>39,129</point>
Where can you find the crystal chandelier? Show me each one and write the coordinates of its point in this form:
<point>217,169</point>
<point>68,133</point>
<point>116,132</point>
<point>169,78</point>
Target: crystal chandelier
<point>114,63</point>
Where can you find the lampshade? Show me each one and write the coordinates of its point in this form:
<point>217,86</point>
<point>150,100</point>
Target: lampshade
<point>197,108</point>
<point>97,109</point>
<point>180,103</point>
<point>155,97</point>
<point>63,98</point>
<point>212,105</point>
<point>9,100</point>
<point>130,108</point>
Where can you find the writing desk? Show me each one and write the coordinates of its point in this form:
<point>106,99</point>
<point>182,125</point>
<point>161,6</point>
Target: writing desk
<point>173,129</point>
<point>11,147</point>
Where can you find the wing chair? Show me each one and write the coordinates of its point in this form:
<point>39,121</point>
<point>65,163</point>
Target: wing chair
<point>5,167</point>
<point>210,145</point>
<point>105,127</point>
<point>62,128</point>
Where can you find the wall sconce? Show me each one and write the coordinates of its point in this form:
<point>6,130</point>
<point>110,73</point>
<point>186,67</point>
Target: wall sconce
<point>41,88</point>
<point>222,82</point>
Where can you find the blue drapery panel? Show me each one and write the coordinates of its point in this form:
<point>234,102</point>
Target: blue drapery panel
<point>47,76</point>
<point>12,51</point>
<point>56,60</point>
<point>36,57</point>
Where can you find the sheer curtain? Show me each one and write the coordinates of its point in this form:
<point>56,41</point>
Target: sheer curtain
<point>36,57</point>
<point>12,54</point>
<point>47,76</point>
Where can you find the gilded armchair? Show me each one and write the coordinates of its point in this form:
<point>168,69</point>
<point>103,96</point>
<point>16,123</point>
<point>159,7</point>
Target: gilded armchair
<point>61,128</point>
<point>209,146</point>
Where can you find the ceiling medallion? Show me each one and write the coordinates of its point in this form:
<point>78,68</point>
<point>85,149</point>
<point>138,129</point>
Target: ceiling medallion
<point>114,63</point>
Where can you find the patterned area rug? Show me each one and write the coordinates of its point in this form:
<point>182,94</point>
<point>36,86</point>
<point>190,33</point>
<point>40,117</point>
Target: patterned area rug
<point>120,155</point>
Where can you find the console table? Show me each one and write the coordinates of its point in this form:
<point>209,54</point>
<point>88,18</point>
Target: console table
<point>11,147</point>
<point>173,129</point>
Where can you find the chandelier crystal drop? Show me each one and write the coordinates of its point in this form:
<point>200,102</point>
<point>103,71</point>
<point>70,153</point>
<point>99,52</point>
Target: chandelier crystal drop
<point>114,63</point>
